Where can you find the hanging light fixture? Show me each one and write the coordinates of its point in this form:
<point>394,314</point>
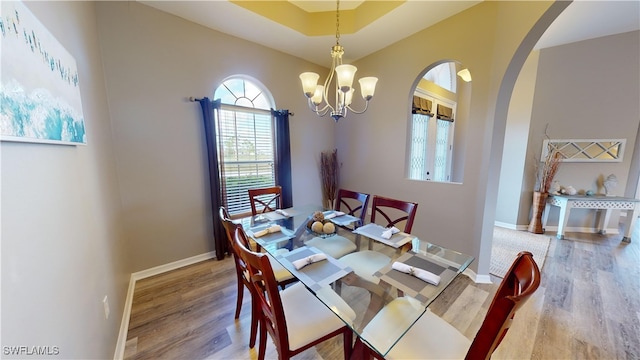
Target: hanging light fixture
<point>319,94</point>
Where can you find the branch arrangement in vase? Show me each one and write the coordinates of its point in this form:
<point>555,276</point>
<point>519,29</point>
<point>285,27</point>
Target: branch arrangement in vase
<point>329,176</point>
<point>549,169</point>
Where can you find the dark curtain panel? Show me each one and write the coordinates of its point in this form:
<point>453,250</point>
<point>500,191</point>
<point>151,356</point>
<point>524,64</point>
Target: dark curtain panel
<point>445,113</point>
<point>209,112</point>
<point>283,156</point>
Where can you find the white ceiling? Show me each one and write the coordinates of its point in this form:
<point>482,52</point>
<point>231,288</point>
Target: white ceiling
<point>583,19</point>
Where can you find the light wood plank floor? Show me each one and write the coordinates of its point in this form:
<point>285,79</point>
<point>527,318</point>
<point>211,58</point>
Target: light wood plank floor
<point>587,307</point>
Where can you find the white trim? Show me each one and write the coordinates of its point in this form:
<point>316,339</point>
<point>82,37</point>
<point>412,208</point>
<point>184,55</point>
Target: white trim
<point>505,225</point>
<point>550,230</point>
<point>124,324</point>
<point>478,279</point>
<point>172,266</point>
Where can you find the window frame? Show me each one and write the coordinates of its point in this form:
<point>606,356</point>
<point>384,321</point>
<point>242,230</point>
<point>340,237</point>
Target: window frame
<point>430,148</point>
<point>236,199</point>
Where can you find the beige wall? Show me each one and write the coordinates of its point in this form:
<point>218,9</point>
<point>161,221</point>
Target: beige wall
<point>512,189</point>
<point>62,239</point>
<point>586,90</point>
<point>155,61</point>
<point>484,39</point>
<point>617,85</point>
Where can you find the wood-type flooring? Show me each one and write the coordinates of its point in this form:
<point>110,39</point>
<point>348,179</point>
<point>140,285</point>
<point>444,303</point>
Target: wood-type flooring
<point>587,307</point>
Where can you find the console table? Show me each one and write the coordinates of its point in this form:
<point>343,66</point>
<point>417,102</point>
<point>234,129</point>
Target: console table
<point>598,202</point>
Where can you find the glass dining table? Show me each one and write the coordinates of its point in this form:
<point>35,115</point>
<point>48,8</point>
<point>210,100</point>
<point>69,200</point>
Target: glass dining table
<point>352,292</point>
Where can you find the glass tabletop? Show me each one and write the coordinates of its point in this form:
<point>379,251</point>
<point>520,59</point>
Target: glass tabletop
<point>356,270</point>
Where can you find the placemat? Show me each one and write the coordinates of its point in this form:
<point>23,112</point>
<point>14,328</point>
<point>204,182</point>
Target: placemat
<point>345,220</point>
<point>316,275</point>
<point>411,285</point>
<point>374,231</point>
<point>283,235</point>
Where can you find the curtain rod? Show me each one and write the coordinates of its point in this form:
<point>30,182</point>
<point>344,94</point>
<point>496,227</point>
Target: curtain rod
<point>194,99</point>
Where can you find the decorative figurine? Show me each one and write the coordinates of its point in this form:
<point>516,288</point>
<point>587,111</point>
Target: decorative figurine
<point>609,184</point>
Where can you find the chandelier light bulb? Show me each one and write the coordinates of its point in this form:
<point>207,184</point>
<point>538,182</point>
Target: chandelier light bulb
<point>345,74</point>
<point>316,99</point>
<point>309,83</point>
<point>368,87</point>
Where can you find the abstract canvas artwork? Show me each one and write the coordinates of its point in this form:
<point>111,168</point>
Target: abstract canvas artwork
<point>39,90</point>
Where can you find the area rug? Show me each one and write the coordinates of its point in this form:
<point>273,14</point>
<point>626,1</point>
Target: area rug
<point>508,243</point>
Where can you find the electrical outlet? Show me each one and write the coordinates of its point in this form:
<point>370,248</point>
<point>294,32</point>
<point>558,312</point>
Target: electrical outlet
<point>369,211</point>
<point>105,302</point>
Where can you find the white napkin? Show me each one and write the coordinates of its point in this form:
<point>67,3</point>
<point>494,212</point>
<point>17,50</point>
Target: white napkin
<point>300,263</point>
<point>389,232</point>
<point>333,214</point>
<point>269,230</point>
<point>282,212</point>
<point>421,274</point>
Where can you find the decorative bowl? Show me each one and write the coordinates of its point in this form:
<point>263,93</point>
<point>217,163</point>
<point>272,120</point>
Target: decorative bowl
<point>320,234</point>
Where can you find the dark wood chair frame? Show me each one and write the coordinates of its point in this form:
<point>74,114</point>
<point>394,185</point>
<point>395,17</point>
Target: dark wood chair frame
<point>348,194</point>
<point>519,283</point>
<point>380,202</point>
<point>241,274</point>
<point>272,318</point>
<point>243,281</point>
<point>270,204</point>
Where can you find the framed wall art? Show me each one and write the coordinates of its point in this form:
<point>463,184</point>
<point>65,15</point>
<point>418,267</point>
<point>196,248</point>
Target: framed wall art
<point>39,89</point>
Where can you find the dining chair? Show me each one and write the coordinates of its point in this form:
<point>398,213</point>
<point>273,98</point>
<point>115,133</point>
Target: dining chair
<point>431,337</point>
<point>351,203</point>
<point>393,212</point>
<point>265,199</point>
<point>282,275</point>
<point>384,206</point>
<point>294,318</point>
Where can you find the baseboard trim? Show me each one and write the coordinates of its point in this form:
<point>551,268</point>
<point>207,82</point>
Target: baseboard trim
<point>506,225</point>
<point>551,230</point>
<point>143,274</point>
<point>478,279</point>
<point>124,323</point>
<point>554,228</point>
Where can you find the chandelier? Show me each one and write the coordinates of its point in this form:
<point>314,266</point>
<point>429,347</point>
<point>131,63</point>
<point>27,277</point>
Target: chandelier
<point>344,73</point>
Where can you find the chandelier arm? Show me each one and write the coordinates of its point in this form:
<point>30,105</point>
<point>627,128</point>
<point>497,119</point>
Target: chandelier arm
<point>343,90</point>
<point>319,112</point>
<point>366,105</point>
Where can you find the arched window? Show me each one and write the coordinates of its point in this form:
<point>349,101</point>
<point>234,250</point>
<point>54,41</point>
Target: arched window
<point>443,75</point>
<point>246,141</point>
<point>432,128</point>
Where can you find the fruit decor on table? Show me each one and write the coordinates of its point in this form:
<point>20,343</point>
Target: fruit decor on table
<point>319,226</point>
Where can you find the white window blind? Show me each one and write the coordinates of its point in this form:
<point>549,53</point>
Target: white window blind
<point>246,154</point>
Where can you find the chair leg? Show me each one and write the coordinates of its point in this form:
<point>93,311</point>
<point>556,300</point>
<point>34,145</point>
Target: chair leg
<point>348,343</point>
<point>255,316</point>
<point>262,347</point>
<point>239,297</point>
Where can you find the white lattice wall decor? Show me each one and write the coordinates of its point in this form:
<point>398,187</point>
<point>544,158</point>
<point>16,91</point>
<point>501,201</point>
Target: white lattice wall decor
<point>586,150</point>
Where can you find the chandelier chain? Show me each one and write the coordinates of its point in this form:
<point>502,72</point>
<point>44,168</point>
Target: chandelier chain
<point>338,22</point>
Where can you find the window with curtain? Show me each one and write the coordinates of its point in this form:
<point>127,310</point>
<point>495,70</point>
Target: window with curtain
<point>245,142</point>
<point>431,138</point>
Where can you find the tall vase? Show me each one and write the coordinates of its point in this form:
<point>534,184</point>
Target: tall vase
<point>539,202</point>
